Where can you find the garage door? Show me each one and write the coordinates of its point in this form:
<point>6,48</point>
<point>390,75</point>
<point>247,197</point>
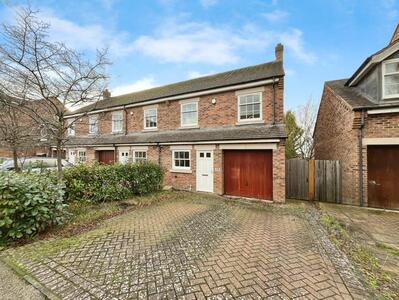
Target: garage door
<point>106,156</point>
<point>383,176</point>
<point>248,173</point>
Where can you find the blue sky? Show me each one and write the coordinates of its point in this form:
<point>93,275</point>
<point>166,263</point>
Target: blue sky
<point>163,41</point>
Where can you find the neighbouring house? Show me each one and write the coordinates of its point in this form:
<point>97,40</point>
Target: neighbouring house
<point>358,124</point>
<point>222,133</point>
<point>17,124</point>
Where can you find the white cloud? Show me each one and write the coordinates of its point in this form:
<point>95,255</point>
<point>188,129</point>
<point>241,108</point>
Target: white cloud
<point>276,15</point>
<point>208,3</point>
<point>196,74</point>
<point>294,42</point>
<point>139,85</point>
<point>194,42</point>
<point>82,37</point>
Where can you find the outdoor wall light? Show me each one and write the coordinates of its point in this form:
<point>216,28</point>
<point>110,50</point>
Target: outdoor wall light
<point>214,101</point>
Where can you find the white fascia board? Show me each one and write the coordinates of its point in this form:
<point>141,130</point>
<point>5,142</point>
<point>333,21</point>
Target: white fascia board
<point>224,142</point>
<point>375,59</point>
<point>380,141</point>
<point>262,146</point>
<point>383,111</point>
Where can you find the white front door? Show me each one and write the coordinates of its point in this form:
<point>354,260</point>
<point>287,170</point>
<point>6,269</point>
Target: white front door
<point>205,171</point>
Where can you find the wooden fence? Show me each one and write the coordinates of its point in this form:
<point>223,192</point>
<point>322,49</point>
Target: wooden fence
<point>313,180</point>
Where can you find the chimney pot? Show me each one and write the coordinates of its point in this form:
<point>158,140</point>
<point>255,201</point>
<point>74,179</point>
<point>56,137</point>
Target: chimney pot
<point>279,51</point>
<point>106,94</point>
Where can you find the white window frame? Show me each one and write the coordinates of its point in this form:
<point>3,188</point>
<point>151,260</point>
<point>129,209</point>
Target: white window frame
<point>142,151</point>
<point>260,108</point>
<point>383,78</point>
<point>184,103</point>
<point>93,120</point>
<point>79,156</point>
<point>145,118</point>
<point>114,114</point>
<point>174,167</point>
<point>71,131</point>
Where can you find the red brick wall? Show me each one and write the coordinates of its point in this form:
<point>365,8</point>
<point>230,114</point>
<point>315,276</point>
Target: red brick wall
<point>336,140</point>
<point>224,112</point>
<point>377,126</point>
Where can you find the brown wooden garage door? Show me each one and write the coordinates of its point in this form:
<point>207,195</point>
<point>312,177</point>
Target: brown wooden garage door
<point>383,176</point>
<point>248,173</point>
<point>106,156</point>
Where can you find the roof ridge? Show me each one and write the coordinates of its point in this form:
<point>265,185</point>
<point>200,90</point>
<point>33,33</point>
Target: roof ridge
<point>198,78</point>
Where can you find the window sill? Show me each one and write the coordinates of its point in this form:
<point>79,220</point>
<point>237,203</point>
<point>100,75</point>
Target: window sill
<point>117,132</point>
<point>149,129</point>
<point>188,127</point>
<point>181,171</point>
<point>250,122</point>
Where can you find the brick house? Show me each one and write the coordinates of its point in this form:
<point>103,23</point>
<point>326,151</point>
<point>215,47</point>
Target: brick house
<point>222,133</point>
<point>358,124</point>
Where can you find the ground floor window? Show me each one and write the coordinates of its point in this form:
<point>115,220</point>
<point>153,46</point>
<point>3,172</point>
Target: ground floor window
<point>140,156</point>
<point>123,157</point>
<point>82,156</point>
<point>181,159</point>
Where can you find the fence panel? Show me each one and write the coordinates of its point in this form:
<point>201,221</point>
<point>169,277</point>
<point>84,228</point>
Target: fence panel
<point>325,177</point>
<point>297,179</point>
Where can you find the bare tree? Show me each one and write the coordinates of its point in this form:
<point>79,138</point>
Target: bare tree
<point>306,115</point>
<point>32,68</point>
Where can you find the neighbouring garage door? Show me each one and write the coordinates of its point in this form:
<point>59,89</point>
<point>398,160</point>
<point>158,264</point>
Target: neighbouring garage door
<point>106,156</point>
<point>383,176</point>
<point>248,173</point>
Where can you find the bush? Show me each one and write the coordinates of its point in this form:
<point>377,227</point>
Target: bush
<point>28,204</point>
<point>99,183</point>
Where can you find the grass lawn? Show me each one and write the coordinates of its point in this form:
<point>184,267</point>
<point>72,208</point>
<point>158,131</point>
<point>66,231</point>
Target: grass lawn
<point>382,284</point>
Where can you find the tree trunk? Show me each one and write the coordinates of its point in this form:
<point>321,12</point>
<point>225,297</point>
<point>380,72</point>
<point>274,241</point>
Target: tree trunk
<point>59,160</point>
<point>15,158</point>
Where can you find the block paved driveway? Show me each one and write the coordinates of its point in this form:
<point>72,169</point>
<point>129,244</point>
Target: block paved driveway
<point>189,249</point>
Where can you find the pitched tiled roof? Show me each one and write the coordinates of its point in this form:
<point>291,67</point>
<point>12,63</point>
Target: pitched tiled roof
<point>239,76</point>
<point>351,95</point>
<point>225,133</point>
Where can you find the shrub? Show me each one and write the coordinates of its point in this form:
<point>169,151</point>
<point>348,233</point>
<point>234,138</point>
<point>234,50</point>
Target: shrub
<point>99,183</point>
<point>28,204</point>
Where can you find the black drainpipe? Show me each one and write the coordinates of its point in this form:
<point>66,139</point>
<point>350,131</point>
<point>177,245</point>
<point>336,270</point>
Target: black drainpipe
<point>360,143</point>
<point>125,111</point>
<point>274,103</point>
<point>159,154</point>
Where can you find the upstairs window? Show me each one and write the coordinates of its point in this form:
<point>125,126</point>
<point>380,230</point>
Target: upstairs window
<point>117,121</point>
<point>249,107</point>
<point>150,118</point>
<point>71,127</point>
<point>390,70</point>
<point>93,124</point>
<point>189,114</point>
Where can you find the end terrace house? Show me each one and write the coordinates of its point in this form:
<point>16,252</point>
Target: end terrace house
<point>358,124</point>
<point>222,133</point>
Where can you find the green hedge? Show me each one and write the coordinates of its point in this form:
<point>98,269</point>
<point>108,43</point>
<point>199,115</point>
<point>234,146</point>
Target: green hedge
<point>99,183</point>
<point>29,203</point>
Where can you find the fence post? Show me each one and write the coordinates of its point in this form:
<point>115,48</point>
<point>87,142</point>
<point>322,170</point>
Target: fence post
<point>311,180</point>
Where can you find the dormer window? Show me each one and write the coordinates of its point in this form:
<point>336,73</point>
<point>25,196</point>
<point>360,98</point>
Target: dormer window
<point>390,79</point>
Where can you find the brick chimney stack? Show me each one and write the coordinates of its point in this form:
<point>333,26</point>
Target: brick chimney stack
<point>279,50</point>
<point>106,94</point>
